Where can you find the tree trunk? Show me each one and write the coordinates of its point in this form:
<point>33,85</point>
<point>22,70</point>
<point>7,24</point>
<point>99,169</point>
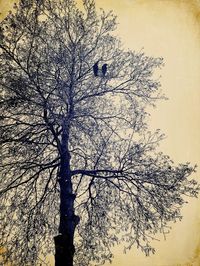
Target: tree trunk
<point>64,242</point>
<point>64,251</point>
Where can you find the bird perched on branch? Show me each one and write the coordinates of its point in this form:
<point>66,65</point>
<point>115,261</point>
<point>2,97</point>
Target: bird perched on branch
<point>104,69</point>
<point>96,69</point>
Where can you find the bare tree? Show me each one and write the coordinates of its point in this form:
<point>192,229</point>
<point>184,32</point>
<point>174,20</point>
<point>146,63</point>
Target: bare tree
<point>77,158</point>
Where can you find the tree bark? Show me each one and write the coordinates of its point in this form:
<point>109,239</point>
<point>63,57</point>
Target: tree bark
<point>64,251</point>
<point>64,242</point>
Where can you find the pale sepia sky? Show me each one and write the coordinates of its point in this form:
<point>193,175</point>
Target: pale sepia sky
<point>170,29</point>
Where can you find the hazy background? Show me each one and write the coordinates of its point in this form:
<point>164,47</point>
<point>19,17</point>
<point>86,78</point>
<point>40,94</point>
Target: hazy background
<point>170,29</point>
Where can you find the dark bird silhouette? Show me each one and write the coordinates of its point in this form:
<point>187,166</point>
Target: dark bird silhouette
<point>96,69</point>
<point>104,69</point>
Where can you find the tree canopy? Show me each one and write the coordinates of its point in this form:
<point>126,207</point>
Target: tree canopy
<point>53,105</point>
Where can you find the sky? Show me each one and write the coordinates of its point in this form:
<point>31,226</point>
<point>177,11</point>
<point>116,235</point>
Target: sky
<point>168,29</point>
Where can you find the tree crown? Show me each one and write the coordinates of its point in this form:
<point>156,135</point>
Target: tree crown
<point>125,190</point>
